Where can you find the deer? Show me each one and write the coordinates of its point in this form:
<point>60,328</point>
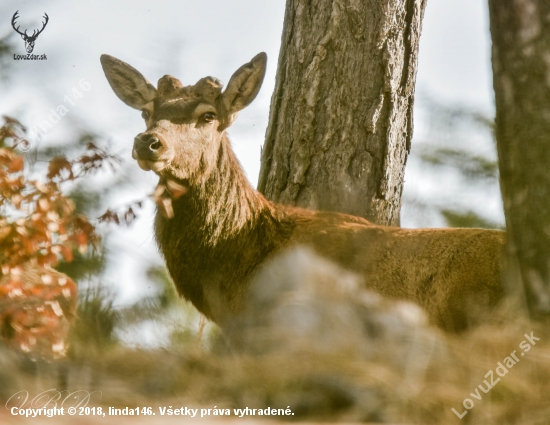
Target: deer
<point>29,39</point>
<point>218,230</point>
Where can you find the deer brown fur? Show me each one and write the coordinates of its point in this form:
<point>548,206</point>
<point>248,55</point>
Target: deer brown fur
<point>222,229</point>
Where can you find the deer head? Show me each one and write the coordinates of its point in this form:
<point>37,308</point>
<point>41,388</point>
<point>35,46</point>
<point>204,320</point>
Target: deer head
<point>29,39</point>
<point>185,124</point>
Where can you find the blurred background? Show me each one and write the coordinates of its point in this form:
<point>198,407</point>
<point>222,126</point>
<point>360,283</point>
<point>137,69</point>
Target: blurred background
<point>126,296</point>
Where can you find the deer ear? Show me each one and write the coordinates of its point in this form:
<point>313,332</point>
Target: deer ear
<point>128,84</point>
<point>244,84</point>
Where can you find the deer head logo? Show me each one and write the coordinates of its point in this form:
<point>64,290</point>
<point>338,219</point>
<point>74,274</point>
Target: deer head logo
<point>29,39</point>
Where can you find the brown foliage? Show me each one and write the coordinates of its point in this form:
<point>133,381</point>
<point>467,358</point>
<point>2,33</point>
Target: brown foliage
<point>37,222</point>
<point>37,306</point>
<point>39,226</point>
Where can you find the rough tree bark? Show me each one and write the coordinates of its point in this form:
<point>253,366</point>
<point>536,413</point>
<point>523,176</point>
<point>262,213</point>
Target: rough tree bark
<point>520,30</point>
<point>341,123</point>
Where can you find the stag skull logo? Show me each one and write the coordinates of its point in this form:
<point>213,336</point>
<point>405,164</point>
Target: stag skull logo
<point>29,39</point>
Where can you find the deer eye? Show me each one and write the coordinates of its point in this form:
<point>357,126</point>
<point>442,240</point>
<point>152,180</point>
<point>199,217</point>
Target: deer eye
<point>145,115</point>
<point>209,117</point>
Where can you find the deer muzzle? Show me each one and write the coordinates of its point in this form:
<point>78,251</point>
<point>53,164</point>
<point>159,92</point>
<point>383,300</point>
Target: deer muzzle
<point>148,148</point>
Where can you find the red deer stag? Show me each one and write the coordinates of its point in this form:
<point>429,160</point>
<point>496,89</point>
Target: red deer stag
<point>222,229</point>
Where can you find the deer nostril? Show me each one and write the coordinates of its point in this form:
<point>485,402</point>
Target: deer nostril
<point>155,144</point>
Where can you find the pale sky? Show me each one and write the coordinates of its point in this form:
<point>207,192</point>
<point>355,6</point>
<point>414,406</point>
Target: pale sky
<point>191,39</point>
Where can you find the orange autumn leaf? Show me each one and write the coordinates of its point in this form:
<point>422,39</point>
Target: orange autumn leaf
<point>16,164</point>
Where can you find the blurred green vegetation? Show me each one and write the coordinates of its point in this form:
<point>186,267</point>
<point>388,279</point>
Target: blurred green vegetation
<point>468,219</point>
<point>6,52</point>
<point>449,148</point>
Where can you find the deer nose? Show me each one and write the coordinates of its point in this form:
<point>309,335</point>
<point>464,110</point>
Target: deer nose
<point>147,146</point>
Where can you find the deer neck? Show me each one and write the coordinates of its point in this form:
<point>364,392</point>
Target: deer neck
<point>222,205</point>
<point>221,230</point>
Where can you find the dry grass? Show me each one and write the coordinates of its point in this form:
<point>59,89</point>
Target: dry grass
<point>401,372</point>
<point>320,386</point>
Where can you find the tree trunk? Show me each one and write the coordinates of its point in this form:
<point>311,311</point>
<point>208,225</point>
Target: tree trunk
<point>340,125</point>
<point>521,79</point>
